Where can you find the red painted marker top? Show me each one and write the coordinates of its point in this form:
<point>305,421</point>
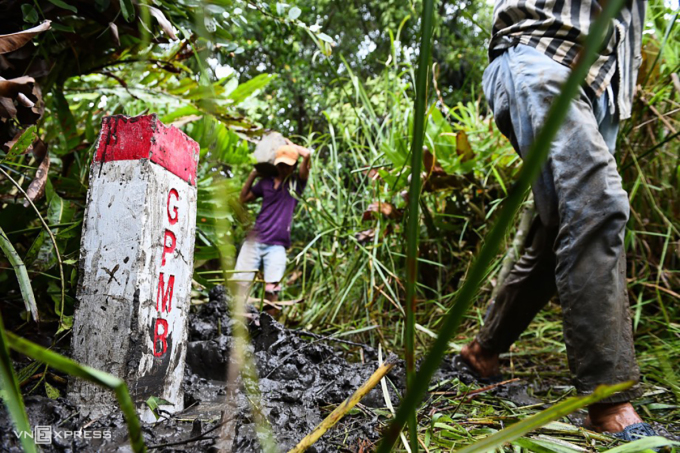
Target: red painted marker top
<point>145,137</point>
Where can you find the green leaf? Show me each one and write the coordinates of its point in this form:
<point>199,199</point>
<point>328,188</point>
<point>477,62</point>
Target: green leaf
<point>128,10</point>
<point>28,371</point>
<point>646,443</point>
<point>22,274</point>
<point>154,402</point>
<point>30,14</point>
<point>64,28</point>
<point>66,119</point>
<point>41,255</point>
<point>22,144</point>
<point>51,391</point>
<point>294,13</point>
<point>546,446</point>
<point>64,5</point>
<point>440,132</point>
<point>66,324</point>
<point>245,90</point>
<point>181,112</point>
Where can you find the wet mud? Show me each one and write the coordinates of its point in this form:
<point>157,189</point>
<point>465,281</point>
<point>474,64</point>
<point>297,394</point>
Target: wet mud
<point>301,379</point>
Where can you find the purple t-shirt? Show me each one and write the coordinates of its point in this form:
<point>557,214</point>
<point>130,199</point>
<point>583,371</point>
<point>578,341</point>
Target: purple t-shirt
<point>273,222</point>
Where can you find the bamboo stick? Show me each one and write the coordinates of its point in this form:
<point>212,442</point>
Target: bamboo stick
<point>345,407</point>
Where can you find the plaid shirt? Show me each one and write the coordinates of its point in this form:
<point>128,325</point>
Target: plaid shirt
<point>558,27</point>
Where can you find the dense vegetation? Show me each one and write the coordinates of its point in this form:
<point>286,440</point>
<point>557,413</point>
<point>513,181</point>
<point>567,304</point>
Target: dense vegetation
<point>338,78</point>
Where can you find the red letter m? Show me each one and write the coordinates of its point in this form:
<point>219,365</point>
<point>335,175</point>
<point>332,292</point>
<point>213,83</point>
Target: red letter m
<point>165,295</point>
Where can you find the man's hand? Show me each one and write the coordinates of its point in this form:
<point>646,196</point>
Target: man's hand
<point>306,159</point>
<point>304,152</point>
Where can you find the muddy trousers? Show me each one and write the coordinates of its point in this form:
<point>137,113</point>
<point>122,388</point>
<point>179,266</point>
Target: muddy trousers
<point>576,244</point>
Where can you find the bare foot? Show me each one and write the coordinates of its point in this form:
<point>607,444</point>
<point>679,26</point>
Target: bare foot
<point>484,362</point>
<point>611,418</point>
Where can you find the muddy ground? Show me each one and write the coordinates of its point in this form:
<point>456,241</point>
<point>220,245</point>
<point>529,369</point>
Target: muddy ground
<point>301,379</point>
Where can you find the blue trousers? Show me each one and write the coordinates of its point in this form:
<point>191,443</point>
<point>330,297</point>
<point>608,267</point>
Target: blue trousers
<point>576,244</point>
<point>254,254</point>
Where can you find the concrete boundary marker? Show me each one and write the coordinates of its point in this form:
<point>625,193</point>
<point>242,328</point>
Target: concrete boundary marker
<point>136,263</point>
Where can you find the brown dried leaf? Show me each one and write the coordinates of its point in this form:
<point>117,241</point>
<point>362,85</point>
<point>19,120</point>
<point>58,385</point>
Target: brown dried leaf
<point>296,274</point>
<point>163,22</point>
<point>7,108</point>
<point>114,32</point>
<point>387,209</point>
<point>443,183</point>
<point>10,88</point>
<point>463,147</point>
<point>5,64</point>
<point>39,149</point>
<point>365,236</point>
<point>373,174</point>
<point>26,93</point>
<point>14,41</point>
<point>24,101</point>
<point>34,113</point>
<point>36,188</point>
<point>431,165</point>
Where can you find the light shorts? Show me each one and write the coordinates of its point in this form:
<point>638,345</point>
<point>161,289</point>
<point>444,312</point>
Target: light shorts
<point>253,254</point>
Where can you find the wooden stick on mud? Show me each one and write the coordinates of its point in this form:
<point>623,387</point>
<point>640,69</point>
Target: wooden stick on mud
<point>345,407</point>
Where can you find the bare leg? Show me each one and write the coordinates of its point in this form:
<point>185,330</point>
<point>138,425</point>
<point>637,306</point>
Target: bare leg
<point>271,294</point>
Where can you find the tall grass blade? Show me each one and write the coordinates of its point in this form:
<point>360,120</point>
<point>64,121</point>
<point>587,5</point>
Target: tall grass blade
<point>536,421</point>
<point>73,368</point>
<point>22,275</point>
<point>530,170</point>
<point>11,394</point>
<point>413,226</point>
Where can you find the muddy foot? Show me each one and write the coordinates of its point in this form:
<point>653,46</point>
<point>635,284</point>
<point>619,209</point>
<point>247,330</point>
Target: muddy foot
<point>611,418</point>
<point>484,363</point>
